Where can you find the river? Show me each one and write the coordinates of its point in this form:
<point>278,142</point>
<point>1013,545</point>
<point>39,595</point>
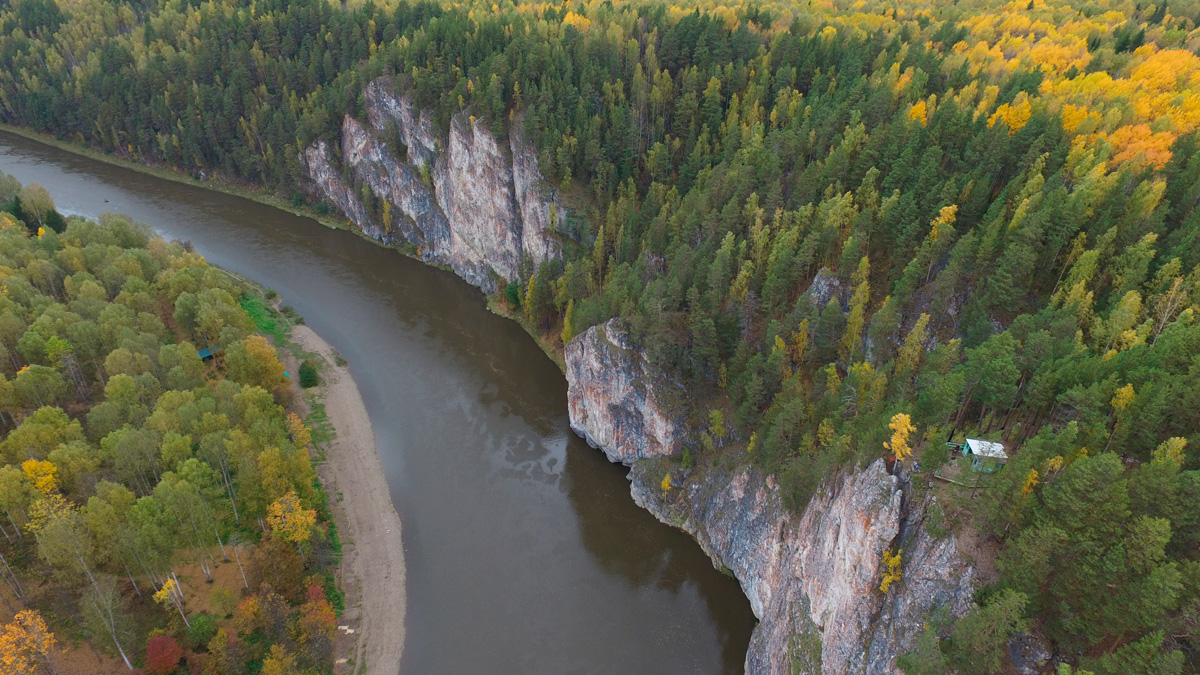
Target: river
<point>525,552</point>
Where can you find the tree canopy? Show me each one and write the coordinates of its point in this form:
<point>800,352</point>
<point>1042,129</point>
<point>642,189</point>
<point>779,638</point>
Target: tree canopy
<point>973,217</point>
<point>126,457</point>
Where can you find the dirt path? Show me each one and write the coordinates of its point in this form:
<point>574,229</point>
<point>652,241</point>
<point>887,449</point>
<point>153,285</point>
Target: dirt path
<point>373,553</point>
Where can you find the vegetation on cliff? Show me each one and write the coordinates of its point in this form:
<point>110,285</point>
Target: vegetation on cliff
<point>131,465</point>
<point>982,216</point>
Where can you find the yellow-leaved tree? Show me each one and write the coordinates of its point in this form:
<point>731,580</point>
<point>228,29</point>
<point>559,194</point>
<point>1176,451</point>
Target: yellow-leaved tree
<point>1031,482</point>
<point>25,643</point>
<point>280,662</point>
<point>1171,450</point>
<point>253,361</point>
<point>42,475</point>
<point>289,520</point>
<point>171,595</point>
<point>891,571</point>
<point>902,427</point>
<point>298,430</point>
<point>1120,403</point>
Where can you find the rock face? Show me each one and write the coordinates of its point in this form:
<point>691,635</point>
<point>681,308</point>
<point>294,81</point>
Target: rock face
<point>612,401</point>
<point>812,580</point>
<point>462,199</point>
<point>825,285</point>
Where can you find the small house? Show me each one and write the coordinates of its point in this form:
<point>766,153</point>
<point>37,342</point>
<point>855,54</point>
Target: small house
<point>986,456</point>
<point>208,352</point>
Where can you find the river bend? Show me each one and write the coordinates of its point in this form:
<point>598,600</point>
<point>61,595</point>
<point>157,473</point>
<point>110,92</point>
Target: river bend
<point>525,553</point>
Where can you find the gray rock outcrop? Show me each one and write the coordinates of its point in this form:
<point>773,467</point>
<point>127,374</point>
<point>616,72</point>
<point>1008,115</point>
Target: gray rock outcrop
<point>613,402</point>
<point>812,579</point>
<point>462,199</point>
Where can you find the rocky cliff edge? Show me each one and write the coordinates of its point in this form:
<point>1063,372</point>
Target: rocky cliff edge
<point>462,199</point>
<point>812,579</point>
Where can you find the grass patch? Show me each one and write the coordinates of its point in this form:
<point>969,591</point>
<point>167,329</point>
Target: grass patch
<point>318,422</point>
<point>265,318</point>
<point>337,597</point>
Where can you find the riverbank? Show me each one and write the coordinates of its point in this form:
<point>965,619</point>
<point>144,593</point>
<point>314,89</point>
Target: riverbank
<point>372,569</point>
<point>245,191</point>
<point>372,572</point>
<point>550,346</point>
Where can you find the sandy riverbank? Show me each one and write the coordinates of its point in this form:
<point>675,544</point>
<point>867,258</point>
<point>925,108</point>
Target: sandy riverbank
<point>373,574</point>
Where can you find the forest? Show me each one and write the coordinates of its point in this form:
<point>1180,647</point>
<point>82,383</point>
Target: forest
<point>135,471</point>
<point>840,224</point>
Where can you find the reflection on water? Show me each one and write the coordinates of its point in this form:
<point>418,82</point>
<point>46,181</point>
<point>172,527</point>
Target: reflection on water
<point>525,552</point>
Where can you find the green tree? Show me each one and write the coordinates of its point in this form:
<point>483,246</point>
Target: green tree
<point>253,362</point>
<point>980,639</point>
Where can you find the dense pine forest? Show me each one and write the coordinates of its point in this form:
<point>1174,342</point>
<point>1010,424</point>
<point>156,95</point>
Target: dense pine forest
<point>132,464</point>
<point>839,224</point>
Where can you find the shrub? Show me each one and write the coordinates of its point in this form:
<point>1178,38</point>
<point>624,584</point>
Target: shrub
<point>935,521</point>
<point>162,655</point>
<point>926,658</point>
<point>202,630</point>
<point>308,374</point>
<point>934,457</point>
<point>223,601</point>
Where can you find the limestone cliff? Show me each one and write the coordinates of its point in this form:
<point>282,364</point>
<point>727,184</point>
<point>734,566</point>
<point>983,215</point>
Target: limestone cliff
<point>462,199</point>
<point>619,409</point>
<point>812,580</point>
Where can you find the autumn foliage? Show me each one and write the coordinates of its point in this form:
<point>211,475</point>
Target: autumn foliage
<point>253,361</point>
<point>25,644</point>
<point>982,213</point>
<point>163,654</point>
<point>289,520</point>
<point>902,427</point>
<point>164,463</point>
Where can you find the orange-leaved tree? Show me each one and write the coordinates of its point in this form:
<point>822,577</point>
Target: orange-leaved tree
<point>25,643</point>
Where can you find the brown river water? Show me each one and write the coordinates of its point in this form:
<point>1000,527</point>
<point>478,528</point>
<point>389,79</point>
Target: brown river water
<point>525,552</point>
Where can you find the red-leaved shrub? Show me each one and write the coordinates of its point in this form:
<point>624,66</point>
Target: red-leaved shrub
<point>162,655</point>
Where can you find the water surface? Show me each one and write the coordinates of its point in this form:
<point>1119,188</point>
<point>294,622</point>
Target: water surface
<point>525,552</point>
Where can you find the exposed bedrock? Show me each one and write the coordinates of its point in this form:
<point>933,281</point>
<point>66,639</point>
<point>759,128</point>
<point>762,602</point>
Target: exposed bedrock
<point>812,579</point>
<point>463,199</point>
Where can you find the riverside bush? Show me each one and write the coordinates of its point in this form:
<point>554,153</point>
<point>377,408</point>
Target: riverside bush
<point>308,374</point>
